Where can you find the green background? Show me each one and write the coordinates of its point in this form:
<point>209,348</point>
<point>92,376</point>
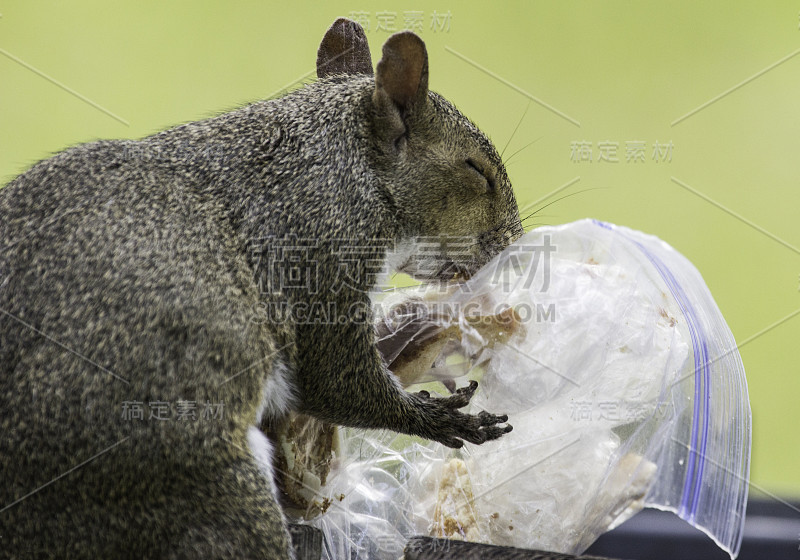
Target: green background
<point>626,71</point>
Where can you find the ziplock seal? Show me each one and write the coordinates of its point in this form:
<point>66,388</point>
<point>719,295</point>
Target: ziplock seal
<point>697,447</point>
<point>692,484</point>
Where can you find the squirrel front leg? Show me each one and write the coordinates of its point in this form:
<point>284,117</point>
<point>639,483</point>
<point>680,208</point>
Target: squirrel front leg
<point>354,388</point>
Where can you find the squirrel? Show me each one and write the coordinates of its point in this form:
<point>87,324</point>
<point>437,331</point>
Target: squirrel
<point>144,283</point>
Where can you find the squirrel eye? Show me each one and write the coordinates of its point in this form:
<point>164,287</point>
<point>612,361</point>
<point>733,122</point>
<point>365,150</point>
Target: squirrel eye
<point>400,142</point>
<point>475,166</point>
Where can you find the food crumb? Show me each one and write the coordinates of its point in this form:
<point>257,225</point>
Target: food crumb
<point>326,503</point>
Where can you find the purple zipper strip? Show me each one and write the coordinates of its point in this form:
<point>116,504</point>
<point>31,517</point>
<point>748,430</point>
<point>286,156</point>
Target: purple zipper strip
<point>692,485</point>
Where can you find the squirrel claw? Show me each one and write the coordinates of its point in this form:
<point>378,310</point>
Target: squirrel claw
<point>452,427</point>
<point>473,385</point>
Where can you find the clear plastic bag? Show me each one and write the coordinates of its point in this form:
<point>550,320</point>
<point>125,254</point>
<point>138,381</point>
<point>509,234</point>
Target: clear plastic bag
<point>618,373</point>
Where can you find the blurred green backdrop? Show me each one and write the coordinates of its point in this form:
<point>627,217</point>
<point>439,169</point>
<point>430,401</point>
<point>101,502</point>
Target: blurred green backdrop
<point>610,77</point>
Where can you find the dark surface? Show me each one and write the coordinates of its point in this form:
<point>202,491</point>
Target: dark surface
<point>771,532</point>
<point>306,541</point>
<point>427,548</point>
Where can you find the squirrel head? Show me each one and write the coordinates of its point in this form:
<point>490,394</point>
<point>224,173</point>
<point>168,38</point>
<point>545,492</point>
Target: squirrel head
<point>455,208</point>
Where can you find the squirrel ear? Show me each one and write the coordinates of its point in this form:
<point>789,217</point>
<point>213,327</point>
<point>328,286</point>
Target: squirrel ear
<point>402,73</point>
<point>344,50</point>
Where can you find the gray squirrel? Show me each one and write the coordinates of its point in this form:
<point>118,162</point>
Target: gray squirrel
<point>151,315</point>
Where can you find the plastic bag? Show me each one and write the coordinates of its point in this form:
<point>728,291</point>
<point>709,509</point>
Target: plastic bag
<point>618,373</point>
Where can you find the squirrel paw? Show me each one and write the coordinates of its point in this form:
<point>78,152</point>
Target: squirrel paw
<point>451,427</point>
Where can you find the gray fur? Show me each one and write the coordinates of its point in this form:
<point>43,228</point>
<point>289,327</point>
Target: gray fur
<point>135,272</point>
